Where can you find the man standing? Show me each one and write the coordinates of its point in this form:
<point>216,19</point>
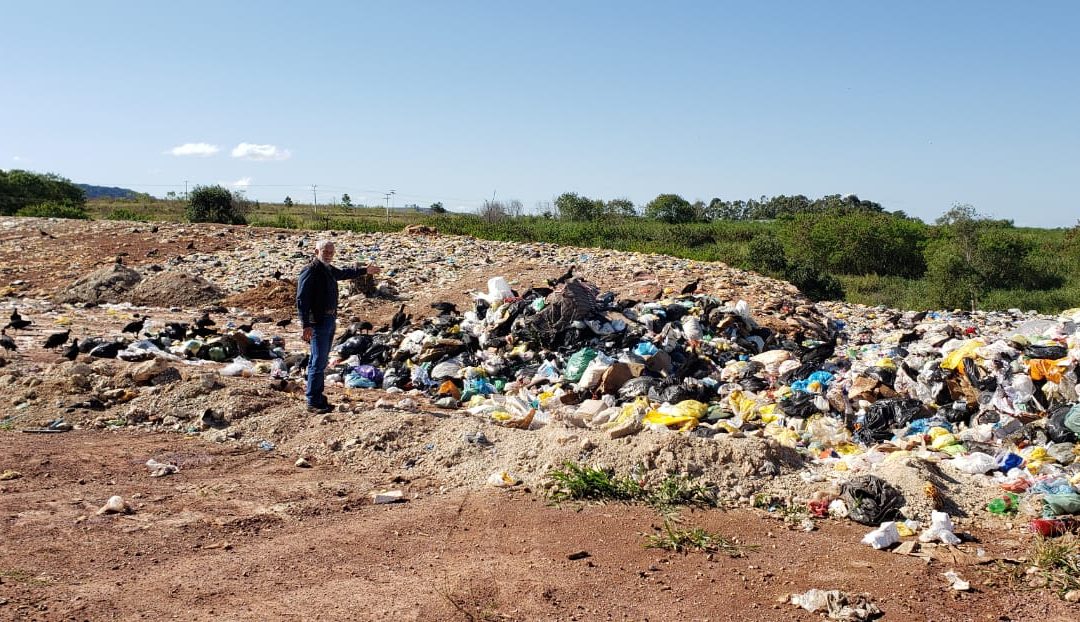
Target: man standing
<point>317,303</point>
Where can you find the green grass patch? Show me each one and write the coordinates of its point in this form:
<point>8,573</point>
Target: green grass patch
<point>53,209</point>
<point>1057,561</point>
<point>575,482</point>
<point>672,537</point>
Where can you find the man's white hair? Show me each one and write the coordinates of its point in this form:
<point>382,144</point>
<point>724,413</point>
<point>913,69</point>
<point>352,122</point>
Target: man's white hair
<point>321,244</point>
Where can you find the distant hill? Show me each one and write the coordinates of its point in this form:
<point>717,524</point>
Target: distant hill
<point>107,192</point>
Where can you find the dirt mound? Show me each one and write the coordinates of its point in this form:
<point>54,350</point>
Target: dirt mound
<point>270,295</point>
<point>175,289</point>
<point>109,284</point>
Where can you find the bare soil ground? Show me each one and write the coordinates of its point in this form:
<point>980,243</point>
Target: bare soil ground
<point>243,534</point>
<point>240,534</point>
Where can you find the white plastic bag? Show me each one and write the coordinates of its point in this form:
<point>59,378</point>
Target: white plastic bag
<point>941,528</point>
<point>975,462</point>
<point>498,290</point>
<point>239,367</point>
<point>884,536</point>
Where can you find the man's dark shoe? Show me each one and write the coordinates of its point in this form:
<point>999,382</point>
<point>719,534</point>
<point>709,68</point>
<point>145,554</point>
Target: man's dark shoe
<point>321,410</point>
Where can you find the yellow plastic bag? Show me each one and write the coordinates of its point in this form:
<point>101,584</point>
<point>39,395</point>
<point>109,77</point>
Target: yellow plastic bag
<point>634,411</point>
<point>943,441</point>
<point>684,415</point>
<point>965,351</point>
<point>785,436</point>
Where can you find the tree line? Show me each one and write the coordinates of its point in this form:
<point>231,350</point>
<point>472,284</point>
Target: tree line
<point>821,245</point>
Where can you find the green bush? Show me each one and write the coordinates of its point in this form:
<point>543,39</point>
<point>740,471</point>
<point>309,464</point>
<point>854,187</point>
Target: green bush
<point>123,213</point>
<point>216,204</point>
<point>855,241</point>
<point>813,283</point>
<point>970,258</point>
<point>670,208</point>
<point>765,255</point>
<point>21,189</point>
<point>53,209</point>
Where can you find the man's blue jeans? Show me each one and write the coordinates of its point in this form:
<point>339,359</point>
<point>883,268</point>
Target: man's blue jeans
<point>321,339</point>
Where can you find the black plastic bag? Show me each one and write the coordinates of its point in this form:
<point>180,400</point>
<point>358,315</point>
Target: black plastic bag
<point>883,375</point>
<point>871,500</point>
<point>1046,352</point>
<point>1055,425</point>
<point>671,393</point>
<point>981,380</point>
<point>637,386</point>
<point>802,406</point>
<point>883,416</point>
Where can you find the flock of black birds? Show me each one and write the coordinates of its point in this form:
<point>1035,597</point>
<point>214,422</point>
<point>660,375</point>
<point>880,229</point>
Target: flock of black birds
<point>102,347</point>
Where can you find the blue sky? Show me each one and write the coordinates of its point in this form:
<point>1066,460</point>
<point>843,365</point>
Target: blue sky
<point>916,105</point>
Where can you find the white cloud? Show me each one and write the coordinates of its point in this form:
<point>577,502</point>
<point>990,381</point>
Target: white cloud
<point>250,151</point>
<point>17,158</point>
<point>194,149</point>
<point>243,182</point>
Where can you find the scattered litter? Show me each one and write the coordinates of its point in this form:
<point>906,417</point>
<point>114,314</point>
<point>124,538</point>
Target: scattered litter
<point>955,582</point>
<point>837,605</point>
<point>503,479</point>
<point>159,469</point>
<point>115,505</point>
<point>388,496</point>
<point>883,537</point>
<point>941,528</point>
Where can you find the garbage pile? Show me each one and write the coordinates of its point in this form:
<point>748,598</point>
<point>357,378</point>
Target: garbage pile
<point>989,394</point>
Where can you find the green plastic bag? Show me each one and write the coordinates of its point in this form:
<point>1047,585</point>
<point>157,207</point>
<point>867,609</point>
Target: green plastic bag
<point>1072,420</point>
<point>579,360</point>
<point>1059,505</point>
<point>1006,504</point>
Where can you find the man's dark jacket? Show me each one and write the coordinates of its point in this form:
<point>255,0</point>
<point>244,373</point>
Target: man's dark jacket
<point>317,290</point>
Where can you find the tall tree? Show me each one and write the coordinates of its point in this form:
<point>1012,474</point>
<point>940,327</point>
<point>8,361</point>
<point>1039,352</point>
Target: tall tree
<point>670,208</point>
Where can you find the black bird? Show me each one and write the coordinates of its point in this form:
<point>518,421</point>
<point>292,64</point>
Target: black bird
<point>135,327</point>
<point>176,330</point>
<point>444,307</point>
<point>691,287</point>
<point>399,320</point>
<point>482,307</point>
<point>247,328</point>
<point>190,246</point>
<point>56,340</point>
<point>283,323</point>
<point>205,321</point>
<point>72,350</point>
<point>6,342</point>
<point>17,321</point>
<point>569,274</point>
<point>277,275</point>
<point>46,234</point>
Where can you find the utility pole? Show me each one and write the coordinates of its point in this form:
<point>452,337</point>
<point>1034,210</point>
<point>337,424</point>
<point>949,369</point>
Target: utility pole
<point>315,196</point>
<point>387,197</point>
<point>185,190</point>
